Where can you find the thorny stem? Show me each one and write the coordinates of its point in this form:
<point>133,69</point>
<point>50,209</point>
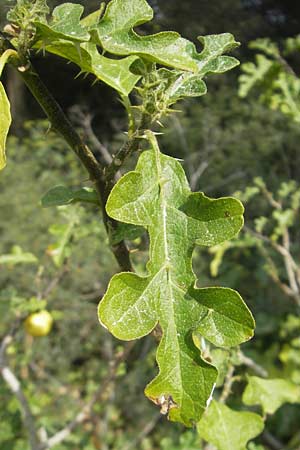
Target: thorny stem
<point>61,124</point>
<point>131,146</point>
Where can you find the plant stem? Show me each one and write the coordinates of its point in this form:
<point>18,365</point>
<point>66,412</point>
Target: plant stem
<point>229,379</point>
<point>125,152</point>
<point>61,124</point>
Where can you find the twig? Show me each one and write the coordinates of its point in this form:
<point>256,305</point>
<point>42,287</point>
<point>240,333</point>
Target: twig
<point>145,431</point>
<point>85,412</point>
<point>131,146</point>
<point>272,441</point>
<point>292,268</point>
<point>197,174</point>
<point>15,386</point>
<point>229,380</point>
<point>287,261</point>
<point>253,365</point>
<point>61,124</point>
<point>85,121</point>
<point>55,281</point>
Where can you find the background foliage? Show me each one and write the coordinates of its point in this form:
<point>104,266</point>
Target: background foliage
<point>226,142</point>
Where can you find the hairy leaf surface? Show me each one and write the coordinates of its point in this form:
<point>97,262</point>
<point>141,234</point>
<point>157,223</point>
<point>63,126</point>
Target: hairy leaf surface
<point>115,32</point>
<point>5,116</point>
<point>157,197</point>
<point>228,429</point>
<point>65,24</point>
<point>114,72</point>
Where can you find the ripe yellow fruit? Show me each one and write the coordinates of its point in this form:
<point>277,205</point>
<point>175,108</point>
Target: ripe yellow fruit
<point>39,324</point>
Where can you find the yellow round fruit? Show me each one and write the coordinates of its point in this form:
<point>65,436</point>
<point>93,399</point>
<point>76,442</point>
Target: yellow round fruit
<point>39,324</point>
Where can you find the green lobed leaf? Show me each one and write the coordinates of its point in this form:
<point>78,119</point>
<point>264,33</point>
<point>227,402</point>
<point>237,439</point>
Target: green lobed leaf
<point>114,72</point>
<point>254,74</point>
<point>65,24</point>
<point>62,195</point>
<point>115,32</point>
<point>271,394</point>
<point>174,85</point>
<point>156,196</point>
<point>228,429</point>
<point>66,35</point>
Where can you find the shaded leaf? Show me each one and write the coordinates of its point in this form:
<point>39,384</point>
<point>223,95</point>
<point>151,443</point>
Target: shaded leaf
<point>114,72</point>
<point>156,196</point>
<point>271,394</point>
<point>228,429</point>
<point>62,195</point>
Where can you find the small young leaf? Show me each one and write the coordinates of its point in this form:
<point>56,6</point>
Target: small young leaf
<point>271,394</point>
<point>65,24</point>
<point>62,195</point>
<point>228,429</point>
<point>156,196</point>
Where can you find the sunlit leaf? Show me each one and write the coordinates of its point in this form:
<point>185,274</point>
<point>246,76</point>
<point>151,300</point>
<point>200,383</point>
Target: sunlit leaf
<point>65,24</point>
<point>156,196</point>
<point>5,121</point>
<point>271,394</point>
<point>228,429</point>
<point>115,32</point>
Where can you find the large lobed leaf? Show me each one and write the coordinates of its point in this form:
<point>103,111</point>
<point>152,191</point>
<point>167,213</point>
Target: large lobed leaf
<point>156,196</point>
<point>228,429</point>
<point>67,36</point>
<point>115,32</point>
<point>76,39</point>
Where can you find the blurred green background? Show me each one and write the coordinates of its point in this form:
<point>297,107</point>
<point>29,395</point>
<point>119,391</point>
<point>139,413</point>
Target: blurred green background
<point>227,144</point>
